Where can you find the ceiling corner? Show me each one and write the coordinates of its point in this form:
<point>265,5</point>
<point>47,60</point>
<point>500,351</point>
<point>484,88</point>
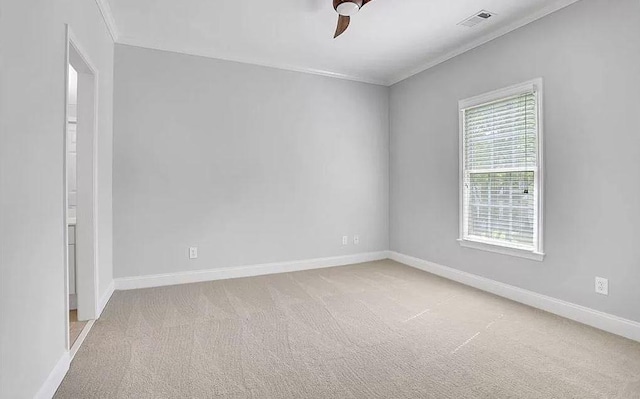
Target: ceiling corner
<point>107,15</point>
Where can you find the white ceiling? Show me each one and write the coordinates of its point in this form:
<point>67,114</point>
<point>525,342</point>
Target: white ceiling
<point>387,41</point>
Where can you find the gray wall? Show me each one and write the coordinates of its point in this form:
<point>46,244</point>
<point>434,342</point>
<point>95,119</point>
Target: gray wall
<point>32,228</point>
<point>589,57</point>
<point>250,164</point>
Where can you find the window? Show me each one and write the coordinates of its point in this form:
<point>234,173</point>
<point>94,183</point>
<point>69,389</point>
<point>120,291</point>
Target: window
<point>501,171</point>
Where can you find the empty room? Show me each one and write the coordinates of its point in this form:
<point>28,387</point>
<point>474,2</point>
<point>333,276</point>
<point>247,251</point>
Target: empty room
<point>319,199</point>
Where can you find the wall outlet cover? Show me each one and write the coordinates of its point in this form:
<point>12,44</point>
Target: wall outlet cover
<point>193,252</point>
<point>602,286</point>
<point>356,240</point>
<point>345,240</point>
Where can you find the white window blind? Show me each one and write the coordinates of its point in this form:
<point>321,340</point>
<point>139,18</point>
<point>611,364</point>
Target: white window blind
<point>500,170</point>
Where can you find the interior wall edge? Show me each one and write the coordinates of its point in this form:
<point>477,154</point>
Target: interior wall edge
<point>104,299</point>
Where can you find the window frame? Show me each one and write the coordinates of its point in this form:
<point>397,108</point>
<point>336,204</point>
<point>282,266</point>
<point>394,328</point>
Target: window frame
<point>537,253</point>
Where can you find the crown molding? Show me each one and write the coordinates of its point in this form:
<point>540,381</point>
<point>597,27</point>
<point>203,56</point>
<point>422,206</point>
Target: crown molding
<point>551,8</point>
<point>251,61</point>
<point>107,15</point>
<point>105,9</point>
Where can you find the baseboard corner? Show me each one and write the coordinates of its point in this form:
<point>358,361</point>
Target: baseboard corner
<point>105,298</point>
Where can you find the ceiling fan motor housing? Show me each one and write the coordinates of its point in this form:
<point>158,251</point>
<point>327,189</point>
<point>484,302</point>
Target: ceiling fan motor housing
<point>347,7</point>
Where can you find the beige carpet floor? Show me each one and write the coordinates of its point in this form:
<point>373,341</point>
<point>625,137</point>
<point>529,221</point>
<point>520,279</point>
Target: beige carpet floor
<point>374,330</point>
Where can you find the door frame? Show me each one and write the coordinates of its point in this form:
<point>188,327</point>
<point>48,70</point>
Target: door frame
<point>87,240</point>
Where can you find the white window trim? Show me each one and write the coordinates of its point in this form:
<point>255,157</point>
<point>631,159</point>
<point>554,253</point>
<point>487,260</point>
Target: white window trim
<point>498,247</point>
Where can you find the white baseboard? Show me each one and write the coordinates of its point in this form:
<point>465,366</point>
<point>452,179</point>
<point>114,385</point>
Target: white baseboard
<point>594,318</point>
<point>604,321</point>
<point>105,299</point>
<point>159,280</point>
<point>83,334</point>
<point>50,386</point>
<point>48,389</point>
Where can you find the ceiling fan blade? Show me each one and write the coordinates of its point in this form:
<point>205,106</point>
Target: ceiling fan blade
<point>343,24</point>
<point>364,2</point>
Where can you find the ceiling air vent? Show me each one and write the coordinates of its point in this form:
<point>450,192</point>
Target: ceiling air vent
<point>477,18</point>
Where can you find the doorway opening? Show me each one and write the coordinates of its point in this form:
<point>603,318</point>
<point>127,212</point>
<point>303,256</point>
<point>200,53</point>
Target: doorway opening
<point>80,183</point>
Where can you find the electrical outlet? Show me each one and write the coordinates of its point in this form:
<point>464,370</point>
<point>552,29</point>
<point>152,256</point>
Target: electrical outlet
<point>193,252</point>
<point>356,240</point>
<point>345,240</point>
<point>602,286</point>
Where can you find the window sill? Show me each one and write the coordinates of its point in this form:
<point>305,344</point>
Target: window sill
<point>520,253</point>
